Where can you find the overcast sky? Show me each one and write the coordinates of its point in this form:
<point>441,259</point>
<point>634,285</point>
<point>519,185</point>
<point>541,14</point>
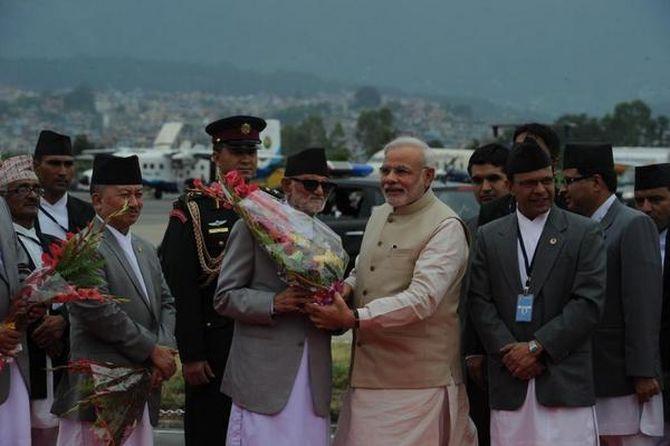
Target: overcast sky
<point>574,54</point>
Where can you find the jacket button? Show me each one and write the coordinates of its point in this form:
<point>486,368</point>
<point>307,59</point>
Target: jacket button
<point>390,220</point>
<point>372,268</point>
<point>379,243</point>
<point>208,324</point>
<point>365,292</point>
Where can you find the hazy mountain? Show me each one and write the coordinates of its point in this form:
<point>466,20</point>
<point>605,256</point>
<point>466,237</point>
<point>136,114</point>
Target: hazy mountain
<point>544,55</point>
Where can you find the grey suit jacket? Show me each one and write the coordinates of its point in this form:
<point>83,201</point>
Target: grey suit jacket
<point>266,350</point>
<point>123,333</point>
<point>626,342</point>
<point>568,282</point>
<point>9,285</point>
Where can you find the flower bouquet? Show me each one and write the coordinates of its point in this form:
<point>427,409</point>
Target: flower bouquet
<point>308,253</point>
<point>69,273</point>
<point>116,393</point>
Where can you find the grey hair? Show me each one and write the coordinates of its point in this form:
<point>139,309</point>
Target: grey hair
<point>405,141</point>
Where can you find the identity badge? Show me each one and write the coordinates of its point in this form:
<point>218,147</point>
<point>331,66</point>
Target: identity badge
<point>524,308</point>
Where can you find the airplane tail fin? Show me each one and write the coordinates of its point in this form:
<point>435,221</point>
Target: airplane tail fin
<point>271,137</point>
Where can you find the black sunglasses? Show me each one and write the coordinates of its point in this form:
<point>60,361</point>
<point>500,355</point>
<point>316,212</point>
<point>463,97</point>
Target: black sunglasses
<point>312,185</point>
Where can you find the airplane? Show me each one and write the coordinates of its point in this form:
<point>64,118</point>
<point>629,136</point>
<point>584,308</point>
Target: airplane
<point>168,169</point>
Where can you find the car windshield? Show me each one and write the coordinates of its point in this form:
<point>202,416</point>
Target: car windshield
<point>461,200</point>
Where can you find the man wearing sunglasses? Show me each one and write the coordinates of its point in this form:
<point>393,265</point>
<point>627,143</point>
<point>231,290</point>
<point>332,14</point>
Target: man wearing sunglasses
<point>47,335</point>
<point>191,253</point>
<point>59,212</point>
<point>626,362</point>
<point>279,370</point>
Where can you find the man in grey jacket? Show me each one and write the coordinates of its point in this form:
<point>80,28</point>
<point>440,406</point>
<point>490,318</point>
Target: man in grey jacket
<point>136,332</point>
<point>14,401</point>
<point>278,371</point>
<point>536,294</point>
<point>626,360</point>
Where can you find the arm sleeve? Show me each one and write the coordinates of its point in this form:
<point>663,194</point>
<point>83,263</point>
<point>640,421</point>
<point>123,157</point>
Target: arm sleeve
<point>641,296</point>
<point>486,319</point>
<point>179,261</point>
<point>567,331</point>
<point>233,298</point>
<point>439,268</point>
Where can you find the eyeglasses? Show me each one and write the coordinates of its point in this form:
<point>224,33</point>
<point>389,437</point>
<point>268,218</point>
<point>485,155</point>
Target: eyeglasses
<point>23,191</point>
<point>531,184</point>
<point>312,185</point>
<point>569,180</point>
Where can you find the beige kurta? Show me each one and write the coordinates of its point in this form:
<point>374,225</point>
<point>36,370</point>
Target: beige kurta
<point>412,416</point>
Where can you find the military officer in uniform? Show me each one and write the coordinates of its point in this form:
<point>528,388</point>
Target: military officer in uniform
<point>191,254</point>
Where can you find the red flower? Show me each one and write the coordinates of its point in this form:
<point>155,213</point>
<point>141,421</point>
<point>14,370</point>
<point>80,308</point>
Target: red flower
<point>233,179</point>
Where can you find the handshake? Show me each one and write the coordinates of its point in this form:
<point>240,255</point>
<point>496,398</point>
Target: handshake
<point>163,364</point>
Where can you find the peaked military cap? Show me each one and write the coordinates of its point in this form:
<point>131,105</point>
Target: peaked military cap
<point>236,130</point>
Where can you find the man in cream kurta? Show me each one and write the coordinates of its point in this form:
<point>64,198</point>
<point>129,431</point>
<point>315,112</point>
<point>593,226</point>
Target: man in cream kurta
<point>405,378</point>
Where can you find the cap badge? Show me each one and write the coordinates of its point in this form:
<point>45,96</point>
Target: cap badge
<point>246,128</point>
<point>553,241</point>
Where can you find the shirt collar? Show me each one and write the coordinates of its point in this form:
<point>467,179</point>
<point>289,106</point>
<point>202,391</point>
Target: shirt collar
<point>125,240</point>
<point>524,221</point>
<point>60,205</point>
<point>32,233</point>
<point>600,213</point>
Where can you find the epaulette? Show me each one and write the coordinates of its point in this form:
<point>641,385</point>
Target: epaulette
<point>179,215</point>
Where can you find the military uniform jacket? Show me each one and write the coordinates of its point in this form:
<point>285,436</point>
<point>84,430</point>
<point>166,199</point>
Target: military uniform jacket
<point>191,254</point>
<point>626,340</point>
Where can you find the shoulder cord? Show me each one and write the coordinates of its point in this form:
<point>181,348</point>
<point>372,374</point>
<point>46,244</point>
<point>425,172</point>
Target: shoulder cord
<point>210,266</point>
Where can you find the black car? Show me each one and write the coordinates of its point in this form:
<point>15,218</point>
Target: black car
<point>350,205</point>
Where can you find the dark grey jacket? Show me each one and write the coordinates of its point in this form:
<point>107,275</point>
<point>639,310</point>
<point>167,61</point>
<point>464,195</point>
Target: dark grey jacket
<point>569,288</point>
<point>626,342</point>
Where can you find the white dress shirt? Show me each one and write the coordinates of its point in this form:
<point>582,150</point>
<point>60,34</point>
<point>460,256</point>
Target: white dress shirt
<point>624,415</point>
<point>531,231</point>
<point>533,423</point>
<point>125,241</point>
<point>58,211</point>
<point>661,241</point>
<point>31,242</point>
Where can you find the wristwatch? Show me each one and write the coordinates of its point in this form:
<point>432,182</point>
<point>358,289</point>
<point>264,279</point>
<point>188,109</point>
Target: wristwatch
<point>533,346</point>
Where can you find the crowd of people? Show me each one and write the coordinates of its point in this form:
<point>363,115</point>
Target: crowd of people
<point>542,321</point>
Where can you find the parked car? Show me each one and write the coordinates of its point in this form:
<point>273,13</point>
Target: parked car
<point>350,205</point>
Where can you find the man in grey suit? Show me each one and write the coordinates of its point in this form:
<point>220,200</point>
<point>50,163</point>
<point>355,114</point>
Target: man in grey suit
<point>536,294</point>
<point>626,343</point>
<point>278,371</point>
<point>137,332</point>
<point>14,400</point>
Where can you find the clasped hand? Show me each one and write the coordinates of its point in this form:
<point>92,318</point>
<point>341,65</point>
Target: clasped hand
<point>521,363</point>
